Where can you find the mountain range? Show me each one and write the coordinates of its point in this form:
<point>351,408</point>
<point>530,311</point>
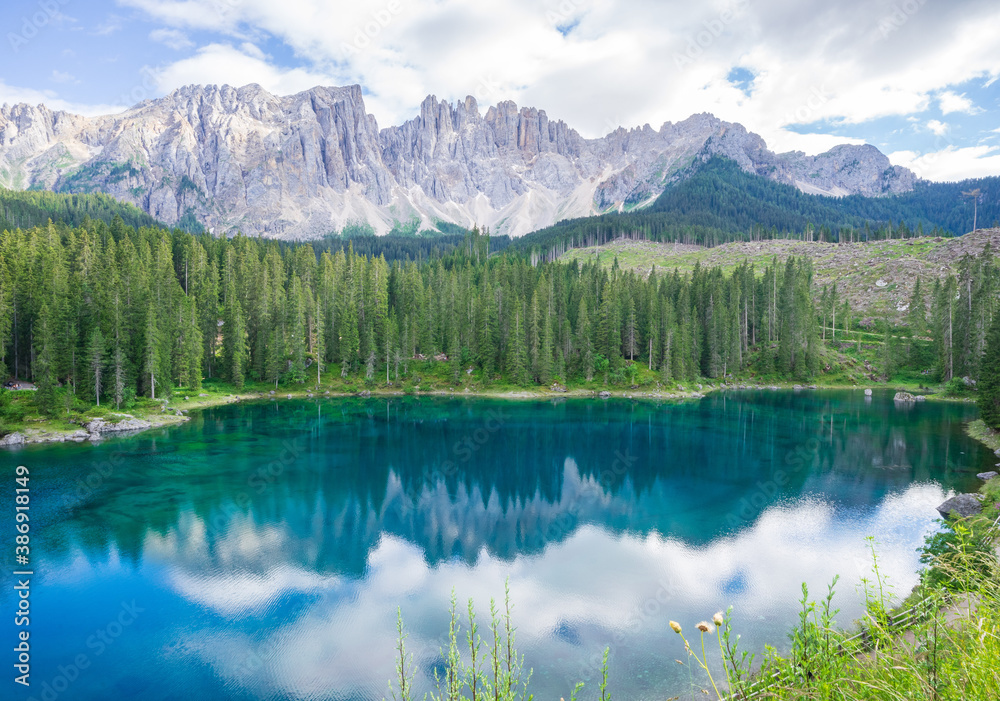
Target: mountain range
<point>306,165</point>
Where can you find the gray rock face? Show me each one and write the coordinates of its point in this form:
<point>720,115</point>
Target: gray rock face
<point>986,476</point>
<point>307,164</point>
<point>904,397</point>
<point>12,439</point>
<point>99,426</point>
<point>962,505</point>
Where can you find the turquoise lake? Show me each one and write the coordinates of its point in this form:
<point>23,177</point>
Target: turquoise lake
<point>260,551</point>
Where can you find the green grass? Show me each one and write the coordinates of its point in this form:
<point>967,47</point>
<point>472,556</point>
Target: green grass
<point>982,433</point>
<point>855,267</point>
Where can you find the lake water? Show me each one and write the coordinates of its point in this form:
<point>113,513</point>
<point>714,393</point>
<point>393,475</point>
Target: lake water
<point>261,550</point>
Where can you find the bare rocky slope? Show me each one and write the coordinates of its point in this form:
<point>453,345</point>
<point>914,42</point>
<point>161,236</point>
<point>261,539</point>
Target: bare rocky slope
<point>304,165</point>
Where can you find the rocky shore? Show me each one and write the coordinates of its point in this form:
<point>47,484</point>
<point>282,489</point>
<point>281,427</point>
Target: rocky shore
<point>94,430</point>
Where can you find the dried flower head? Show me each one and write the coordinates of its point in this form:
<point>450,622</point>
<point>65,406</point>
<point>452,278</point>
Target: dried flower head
<point>704,627</point>
<point>717,619</point>
<point>675,626</point>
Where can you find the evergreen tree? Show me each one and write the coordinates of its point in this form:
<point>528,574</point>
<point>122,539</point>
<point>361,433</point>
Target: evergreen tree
<point>319,343</point>
<point>989,380</point>
<point>518,363</point>
<point>237,351</point>
<point>118,374</point>
<point>95,358</point>
<point>584,341</point>
<point>151,354</point>
<point>44,365</point>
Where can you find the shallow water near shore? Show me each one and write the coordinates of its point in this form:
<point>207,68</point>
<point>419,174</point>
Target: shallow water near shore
<point>260,551</point>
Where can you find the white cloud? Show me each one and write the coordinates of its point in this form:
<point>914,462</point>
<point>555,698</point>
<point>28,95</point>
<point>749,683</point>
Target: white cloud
<point>63,77</point>
<point>402,51</point>
<point>173,38</point>
<point>951,163</point>
<point>782,140</point>
<point>647,61</point>
<point>109,26</point>
<point>12,94</point>
<point>950,102</point>
<point>939,128</point>
<point>224,64</point>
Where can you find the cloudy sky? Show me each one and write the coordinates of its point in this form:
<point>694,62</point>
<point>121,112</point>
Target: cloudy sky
<point>917,78</point>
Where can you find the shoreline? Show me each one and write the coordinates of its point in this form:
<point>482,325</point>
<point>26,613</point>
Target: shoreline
<point>47,431</point>
<point>977,430</point>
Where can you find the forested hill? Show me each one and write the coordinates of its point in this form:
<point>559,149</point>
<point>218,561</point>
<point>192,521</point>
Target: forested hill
<point>26,209</point>
<point>33,208</point>
<point>721,203</point>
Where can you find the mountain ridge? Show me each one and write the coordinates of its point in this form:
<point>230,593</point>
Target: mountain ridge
<point>301,166</point>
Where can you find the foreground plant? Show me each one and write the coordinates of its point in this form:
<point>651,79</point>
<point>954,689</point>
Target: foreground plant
<point>489,669</point>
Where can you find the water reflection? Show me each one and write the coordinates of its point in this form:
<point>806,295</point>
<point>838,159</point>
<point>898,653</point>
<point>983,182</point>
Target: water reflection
<point>272,543</point>
<point>591,590</point>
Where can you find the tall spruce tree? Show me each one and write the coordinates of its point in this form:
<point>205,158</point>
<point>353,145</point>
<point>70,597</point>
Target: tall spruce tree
<point>989,379</point>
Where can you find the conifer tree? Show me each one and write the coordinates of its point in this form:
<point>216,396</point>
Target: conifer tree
<point>95,358</point>
<point>238,348</point>
<point>518,362</point>
<point>989,379</point>
<point>151,353</point>
<point>44,365</point>
<point>319,342</point>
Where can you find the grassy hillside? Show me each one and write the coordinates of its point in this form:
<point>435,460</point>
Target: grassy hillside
<point>857,268</point>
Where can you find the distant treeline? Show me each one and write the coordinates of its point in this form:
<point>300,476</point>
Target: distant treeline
<point>403,248</point>
<point>721,203</point>
<point>26,209</point>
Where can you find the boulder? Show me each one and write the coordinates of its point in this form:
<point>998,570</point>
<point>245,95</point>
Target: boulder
<point>605,394</point>
<point>961,505</point>
<point>868,393</point>
<point>12,439</point>
<point>364,393</point>
<point>126,425</point>
<point>78,436</point>
<point>997,452</point>
<point>986,476</point>
<point>921,398</point>
<point>904,397</point>
<point>95,425</point>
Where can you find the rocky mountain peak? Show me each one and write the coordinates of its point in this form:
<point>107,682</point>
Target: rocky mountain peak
<point>242,158</point>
